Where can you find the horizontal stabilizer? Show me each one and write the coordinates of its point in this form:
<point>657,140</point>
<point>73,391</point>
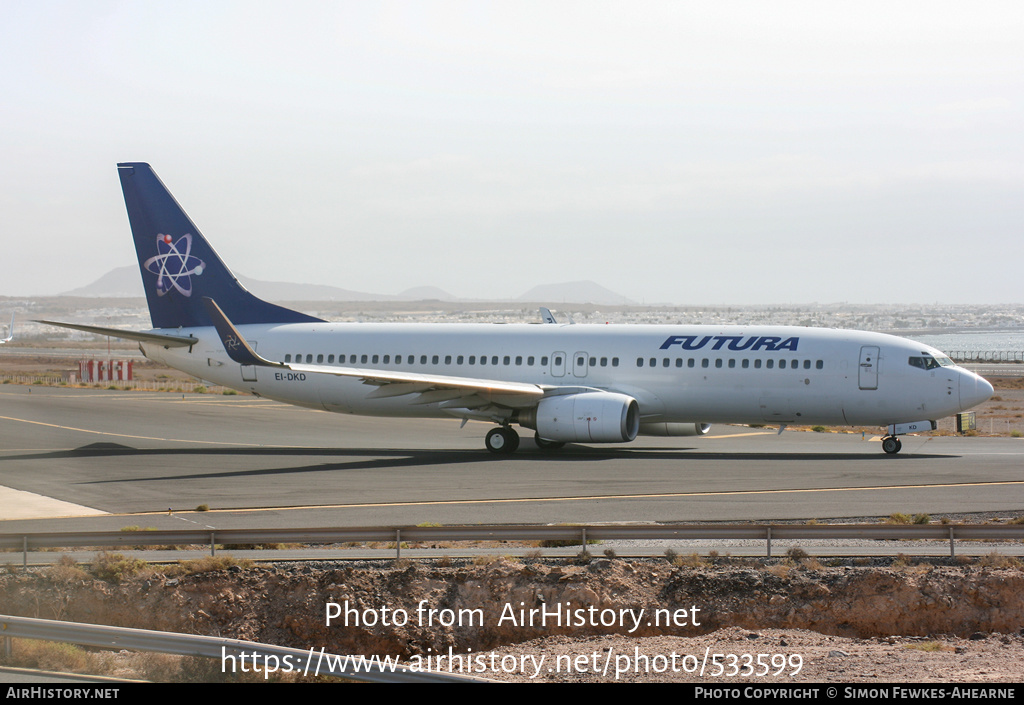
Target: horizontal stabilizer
<point>168,341</point>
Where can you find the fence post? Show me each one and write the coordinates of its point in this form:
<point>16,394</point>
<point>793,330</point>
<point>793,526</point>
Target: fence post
<point>398,544</point>
<point>769,542</point>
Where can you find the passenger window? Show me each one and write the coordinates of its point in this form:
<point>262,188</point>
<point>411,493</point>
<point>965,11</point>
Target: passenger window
<point>320,358</point>
<point>782,364</point>
<point>704,362</point>
<point>718,362</point>
<point>374,359</point>
<point>447,359</point>
<point>770,363</point>
<point>615,362</point>
<point>807,364</point>
<point>639,362</point>
<point>757,364</point>
<point>691,362</point>
<point>423,359</point>
<point>732,362</point>
<point>819,364</point>
<point>309,359</point>
<point>544,361</point>
<point>679,362</point>
<point>288,357</point>
<point>746,363</point>
<point>529,361</point>
<point>472,359</point>
<point>519,360</point>
<point>434,360</point>
<point>330,359</point>
<point>654,362</point>
<point>387,359</point>
<point>506,360</point>
<point>558,361</point>
<point>459,360</point>
<point>593,361</point>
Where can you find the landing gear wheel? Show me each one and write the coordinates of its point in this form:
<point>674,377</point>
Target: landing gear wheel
<point>502,440</point>
<point>545,444</point>
<point>891,445</point>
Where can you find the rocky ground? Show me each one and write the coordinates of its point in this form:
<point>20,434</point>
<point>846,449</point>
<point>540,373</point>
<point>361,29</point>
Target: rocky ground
<point>629,620</point>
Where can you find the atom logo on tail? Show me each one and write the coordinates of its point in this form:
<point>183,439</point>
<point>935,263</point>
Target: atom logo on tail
<point>174,264</point>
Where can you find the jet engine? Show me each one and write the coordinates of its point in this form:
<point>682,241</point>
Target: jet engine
<point>674,429</point>
<point>588,417</point>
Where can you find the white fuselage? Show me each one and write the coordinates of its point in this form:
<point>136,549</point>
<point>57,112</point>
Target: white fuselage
<point>725,374</point>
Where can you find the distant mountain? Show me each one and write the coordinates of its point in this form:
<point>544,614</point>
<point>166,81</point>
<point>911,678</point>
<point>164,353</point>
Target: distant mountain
<point>286,291</point>
<point>123,281</point>
<point>425,293</point>
<point>126,281</point>
<point>584,292</point>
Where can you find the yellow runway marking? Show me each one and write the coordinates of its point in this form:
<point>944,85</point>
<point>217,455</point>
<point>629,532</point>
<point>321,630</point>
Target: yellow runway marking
<point>430,503</point>
<point>143,438</point>
<point>741,435</point>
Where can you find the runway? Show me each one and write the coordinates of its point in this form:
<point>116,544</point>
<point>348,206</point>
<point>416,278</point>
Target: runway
<point>256,462</point>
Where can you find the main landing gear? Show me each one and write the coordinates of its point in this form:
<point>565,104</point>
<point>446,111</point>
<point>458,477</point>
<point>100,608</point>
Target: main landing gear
<point>891,445</point>
<point>502,440</point>
<point>545,444</point>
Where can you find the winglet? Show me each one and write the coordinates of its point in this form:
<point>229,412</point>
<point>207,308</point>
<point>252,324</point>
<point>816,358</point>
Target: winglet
<point>234,344</point>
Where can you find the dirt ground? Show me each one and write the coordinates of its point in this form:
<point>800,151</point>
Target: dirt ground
<point>745,621</point>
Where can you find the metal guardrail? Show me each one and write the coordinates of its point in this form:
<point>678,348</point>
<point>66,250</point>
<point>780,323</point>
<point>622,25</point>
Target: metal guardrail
<point>228,650</point>
<point>986,355</point>
<point>580,533</point>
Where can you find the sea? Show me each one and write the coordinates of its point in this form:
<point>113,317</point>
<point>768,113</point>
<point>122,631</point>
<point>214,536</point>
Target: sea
<point>973,341</point>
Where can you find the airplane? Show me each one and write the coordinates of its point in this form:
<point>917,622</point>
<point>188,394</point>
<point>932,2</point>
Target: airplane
<point>10,332</point>
<point>567,383</point>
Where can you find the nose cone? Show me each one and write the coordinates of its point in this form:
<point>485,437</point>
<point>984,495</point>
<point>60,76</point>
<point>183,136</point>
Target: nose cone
<point>973,390</point>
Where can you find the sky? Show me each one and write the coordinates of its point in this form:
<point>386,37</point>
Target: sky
<point>674,152</point>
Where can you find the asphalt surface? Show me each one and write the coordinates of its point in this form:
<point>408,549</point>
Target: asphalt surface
<point>70,452</point>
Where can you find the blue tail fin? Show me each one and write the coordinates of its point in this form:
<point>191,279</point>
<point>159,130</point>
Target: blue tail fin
<point>179,267</point>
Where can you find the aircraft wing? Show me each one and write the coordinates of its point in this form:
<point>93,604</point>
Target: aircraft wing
<point>168,341</point>
<point>431,387</point>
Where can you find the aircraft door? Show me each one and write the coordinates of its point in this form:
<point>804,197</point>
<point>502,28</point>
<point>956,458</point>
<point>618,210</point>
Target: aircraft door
<point>579,364</point>
<point>249,371</point>
<point>868,376</point>
<point>558,364</point>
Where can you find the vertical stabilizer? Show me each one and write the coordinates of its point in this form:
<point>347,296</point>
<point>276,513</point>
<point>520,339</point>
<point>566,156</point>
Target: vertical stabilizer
<point>178,265</point>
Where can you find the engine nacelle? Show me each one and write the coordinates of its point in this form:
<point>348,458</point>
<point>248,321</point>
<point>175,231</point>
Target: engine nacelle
<point>588,417</point>
<point>674,429</point>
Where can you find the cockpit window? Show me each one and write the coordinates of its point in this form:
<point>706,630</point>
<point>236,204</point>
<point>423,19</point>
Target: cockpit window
<point>925,362</point>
